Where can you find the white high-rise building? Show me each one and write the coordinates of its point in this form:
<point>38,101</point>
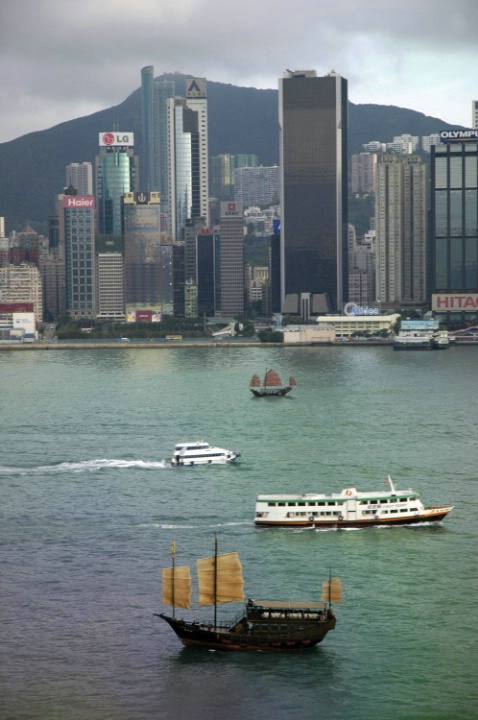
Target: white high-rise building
<point>474,115</point>
<point>188,157</point>
<point>80,176</point>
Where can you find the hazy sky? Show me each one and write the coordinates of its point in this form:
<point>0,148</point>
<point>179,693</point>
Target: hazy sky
<point>60,60</point>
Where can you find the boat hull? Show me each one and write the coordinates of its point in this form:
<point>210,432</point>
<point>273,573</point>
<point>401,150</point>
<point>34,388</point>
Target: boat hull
<point>238,639</point>
<point>268,392</point>
<point>433,516</point>
<point>183,462</point>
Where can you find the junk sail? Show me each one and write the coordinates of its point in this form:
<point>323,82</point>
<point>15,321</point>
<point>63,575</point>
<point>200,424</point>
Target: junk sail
<point>272,379</point>
<point>332,590</point>
<point>220,579</point>
<point>177,587</point>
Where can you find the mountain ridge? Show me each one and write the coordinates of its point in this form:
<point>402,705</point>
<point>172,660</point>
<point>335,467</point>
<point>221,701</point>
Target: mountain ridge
<point>241,120</point>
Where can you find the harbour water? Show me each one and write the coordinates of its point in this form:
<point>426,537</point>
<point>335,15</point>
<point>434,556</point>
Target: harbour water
<point>90,507</point>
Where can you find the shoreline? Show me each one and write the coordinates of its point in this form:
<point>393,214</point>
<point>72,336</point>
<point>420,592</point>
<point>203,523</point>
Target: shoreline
<point>168,345</point>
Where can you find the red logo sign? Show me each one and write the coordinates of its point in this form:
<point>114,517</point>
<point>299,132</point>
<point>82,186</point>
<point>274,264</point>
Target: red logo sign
<point>108,138</point>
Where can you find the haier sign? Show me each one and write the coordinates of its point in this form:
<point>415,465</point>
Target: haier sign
<point>116,139</point>
<point>78,202</point>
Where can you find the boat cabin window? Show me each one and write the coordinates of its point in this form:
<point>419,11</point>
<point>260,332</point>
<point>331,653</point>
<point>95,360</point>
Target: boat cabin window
<point>284,628</point>
<point>265,628</point>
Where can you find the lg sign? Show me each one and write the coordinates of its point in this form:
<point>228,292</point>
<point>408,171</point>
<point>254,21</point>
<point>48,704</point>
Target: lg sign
<point>109,139</point>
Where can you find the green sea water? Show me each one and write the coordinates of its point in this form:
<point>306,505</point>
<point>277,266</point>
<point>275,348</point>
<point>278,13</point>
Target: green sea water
<point>90,506</point>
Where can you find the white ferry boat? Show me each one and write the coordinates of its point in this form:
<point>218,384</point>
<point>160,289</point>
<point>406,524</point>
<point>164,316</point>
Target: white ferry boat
<point>347,509</point>
<point>201,453</point>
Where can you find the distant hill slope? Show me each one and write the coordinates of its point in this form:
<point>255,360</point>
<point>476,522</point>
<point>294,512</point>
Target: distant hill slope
<point>241,120</point>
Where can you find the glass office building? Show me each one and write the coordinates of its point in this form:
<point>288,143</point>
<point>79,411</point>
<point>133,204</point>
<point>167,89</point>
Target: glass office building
<point>154,114</point>
<point>142,249</point>
<point>454,224</point>
<point>313,160</point>
<point>116,173</point>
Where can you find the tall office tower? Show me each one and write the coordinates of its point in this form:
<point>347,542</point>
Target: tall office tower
<point>154,111</point>
<point>116,174</point>
<point>313,161</point>
<point>401,231</point>
<point>142,250</point>
<point>193,227</point>
<point>148,181</point>
<point>275,268</point>
<point>474,114</point>
<point>454,228</point>
<point>257,185</point>
<point>178,279</point>
<point>188,157</point>
<point>80,176</point>
<point>363,172</point>
<point>231,229</point>
<point>110,286</point>
<point>208,271</point>
<point>77,238</point>
<point>222,176</point>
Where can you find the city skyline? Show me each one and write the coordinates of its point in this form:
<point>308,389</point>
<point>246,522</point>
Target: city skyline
<point>405,55</point>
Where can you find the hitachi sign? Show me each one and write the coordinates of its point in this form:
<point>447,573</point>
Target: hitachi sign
<point>78,201</point>
<point>458,135</point>
<point>455,303</point>
<point>116,139</point>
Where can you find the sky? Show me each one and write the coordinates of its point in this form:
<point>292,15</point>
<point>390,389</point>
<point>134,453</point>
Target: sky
<point>60,60</point>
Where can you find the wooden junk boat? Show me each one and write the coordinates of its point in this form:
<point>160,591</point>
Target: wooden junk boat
<point>262,625</point>
<point>271,385</point>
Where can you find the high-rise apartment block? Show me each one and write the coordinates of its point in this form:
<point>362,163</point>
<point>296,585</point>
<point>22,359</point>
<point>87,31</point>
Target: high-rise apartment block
<point>257,185</point>
<point>401,231</point>
<point>80,176</point>
<point>313,162</point>
<point>474,114</point>
<point>363,172</point>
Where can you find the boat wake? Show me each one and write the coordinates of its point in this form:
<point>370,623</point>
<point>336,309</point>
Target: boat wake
<point>88,466</point>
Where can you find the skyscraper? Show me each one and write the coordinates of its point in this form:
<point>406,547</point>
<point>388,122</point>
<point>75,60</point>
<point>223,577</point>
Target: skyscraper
<point>401,230</point>
<point>116,174</point>
<point>77,235</point>
<point>188,157</point>
<point>154,111</point>
<point>313,161</point>
<point>142,241</point>
<point>232,258</point>
<point>454,227</point>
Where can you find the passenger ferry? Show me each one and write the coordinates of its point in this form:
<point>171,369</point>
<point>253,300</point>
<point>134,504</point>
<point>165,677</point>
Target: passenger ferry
<point>347,509</point>
<point>201,453</point>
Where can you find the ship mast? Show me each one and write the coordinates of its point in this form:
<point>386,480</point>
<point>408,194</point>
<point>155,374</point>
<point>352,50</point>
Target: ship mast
<point>215,580</point>
<point>173,555</point>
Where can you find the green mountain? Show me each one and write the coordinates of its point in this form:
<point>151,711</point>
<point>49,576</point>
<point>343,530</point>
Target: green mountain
<point>241,120</point>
